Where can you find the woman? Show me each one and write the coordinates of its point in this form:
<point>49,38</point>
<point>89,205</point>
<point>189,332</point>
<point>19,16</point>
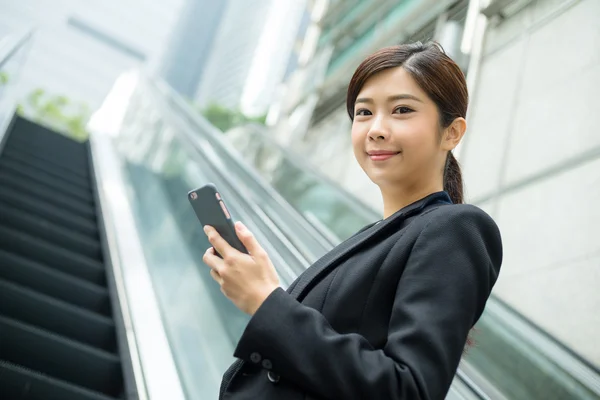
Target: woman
<point>386,314</point>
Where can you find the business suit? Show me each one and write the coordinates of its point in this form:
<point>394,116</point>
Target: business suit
<point>384,315</point>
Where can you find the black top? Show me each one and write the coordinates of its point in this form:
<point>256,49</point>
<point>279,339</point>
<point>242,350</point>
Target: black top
<point>384,315</point>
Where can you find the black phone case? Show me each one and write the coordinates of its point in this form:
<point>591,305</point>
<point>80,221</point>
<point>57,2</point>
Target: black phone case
<point>211,210</point>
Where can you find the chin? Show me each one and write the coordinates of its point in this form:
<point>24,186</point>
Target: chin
<point>380,179</point>
<point>384,180</point>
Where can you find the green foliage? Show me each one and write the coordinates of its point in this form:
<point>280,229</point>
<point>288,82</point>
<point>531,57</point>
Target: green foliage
<point>225,118</point>
<point>57,112</point>
<point>3,78</point>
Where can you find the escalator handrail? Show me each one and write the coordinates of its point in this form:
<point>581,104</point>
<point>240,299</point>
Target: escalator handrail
<point>9,48</point>
<point>569,361</point>
<point>215,136</point>
<point>14,44</point>
<point>241,202</point>
<point>354,202</point>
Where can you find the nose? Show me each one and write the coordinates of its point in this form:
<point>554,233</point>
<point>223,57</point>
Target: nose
<point>378,130</point>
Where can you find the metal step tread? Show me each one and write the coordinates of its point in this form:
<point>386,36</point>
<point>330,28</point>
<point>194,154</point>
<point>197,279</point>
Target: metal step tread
<point>31,129</point>
<point>78,169</point>
<point>42,171</point>
<point>12,216</point>
<point>59,357</point>
<point>45,193</point>
<point>58,336</point>
<point>18,382</point>
<point>28,203</point>
<point>52,255</point>
<point>59,317</point>
<point>51,282</point>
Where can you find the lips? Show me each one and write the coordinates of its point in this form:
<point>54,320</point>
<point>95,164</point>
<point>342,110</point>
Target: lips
<point>381,155</point>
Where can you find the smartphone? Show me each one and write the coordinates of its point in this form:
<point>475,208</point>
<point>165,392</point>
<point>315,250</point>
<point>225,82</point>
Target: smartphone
<point>211,210</point>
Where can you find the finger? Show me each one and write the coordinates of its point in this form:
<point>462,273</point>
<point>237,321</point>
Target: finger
<point>248,239</point>
<point>211,259</point>
<point>215,275</point>
<point>217,241</point>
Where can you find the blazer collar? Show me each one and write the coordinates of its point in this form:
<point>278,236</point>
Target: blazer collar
<point>322,266</point>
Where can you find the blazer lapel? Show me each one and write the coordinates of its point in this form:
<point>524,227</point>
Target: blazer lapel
<point>330,260</point>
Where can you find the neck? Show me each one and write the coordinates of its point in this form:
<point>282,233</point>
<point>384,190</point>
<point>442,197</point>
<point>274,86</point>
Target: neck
<point>397,197</point>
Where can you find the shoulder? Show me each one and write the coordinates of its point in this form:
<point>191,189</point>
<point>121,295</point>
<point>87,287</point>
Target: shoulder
<point>462,226</point>
<point>459,217</point>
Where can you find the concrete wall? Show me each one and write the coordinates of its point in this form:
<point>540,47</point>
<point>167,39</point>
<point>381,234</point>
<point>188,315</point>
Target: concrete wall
<point>532,159</point>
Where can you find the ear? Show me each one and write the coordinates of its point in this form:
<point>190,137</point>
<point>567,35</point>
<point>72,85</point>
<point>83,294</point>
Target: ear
<point>453,134</point>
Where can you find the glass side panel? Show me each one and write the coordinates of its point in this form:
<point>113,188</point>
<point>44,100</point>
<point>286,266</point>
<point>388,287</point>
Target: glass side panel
<point>201,324</point>
<point>516,368</point>
<point>318,200</point>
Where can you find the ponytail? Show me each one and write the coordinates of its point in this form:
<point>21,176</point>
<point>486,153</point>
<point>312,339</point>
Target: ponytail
<point>453,182</point>
<point>453,185</point>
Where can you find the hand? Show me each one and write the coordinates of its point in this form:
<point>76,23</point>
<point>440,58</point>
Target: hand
<point>245,279</point>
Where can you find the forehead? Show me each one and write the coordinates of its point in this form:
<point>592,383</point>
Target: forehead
<point>391,81</point>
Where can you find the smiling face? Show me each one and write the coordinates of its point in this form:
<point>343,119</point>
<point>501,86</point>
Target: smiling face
<point>396,134</point>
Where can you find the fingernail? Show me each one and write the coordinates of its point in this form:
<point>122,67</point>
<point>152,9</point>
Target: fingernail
<point>206,228</point>
<point>240,226</point>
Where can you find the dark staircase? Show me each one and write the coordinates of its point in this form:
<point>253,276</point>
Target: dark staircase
<point>57,330</point>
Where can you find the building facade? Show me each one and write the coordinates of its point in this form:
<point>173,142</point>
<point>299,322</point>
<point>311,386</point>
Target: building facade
<point>190,44</point>
<point>80,48</point>
<point>250,54</point>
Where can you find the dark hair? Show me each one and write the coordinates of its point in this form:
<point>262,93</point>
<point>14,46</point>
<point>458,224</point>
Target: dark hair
<point>438,75</point>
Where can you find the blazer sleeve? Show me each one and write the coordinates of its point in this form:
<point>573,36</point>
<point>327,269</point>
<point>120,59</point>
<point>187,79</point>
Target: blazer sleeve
<point>442,292</point>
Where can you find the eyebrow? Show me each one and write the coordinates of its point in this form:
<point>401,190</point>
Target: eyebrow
<point>390,99</point>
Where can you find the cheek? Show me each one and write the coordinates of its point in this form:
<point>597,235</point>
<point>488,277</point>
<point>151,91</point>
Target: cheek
<point>416,136</point>
<point>358,140</point>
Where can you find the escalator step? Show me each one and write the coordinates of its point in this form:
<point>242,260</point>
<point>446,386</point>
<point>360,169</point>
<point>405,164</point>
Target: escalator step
<point>16,152</point>
<point>35,226</point>
<point>51,156</point>
<point>54,283</point>
<point>53,315</point>
<point>49,143</point>
<point>42,172</point>
<point>64,359</point>
<point>46,194</point>
<point>56,257</point>
<point>35,133</point>
<point>24,384</point>
<point>29,204</point>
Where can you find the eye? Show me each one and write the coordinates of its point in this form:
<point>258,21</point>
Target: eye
<point>362,111</point>
<point>403,110</point>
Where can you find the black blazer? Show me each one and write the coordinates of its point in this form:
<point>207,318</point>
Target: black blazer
<point>384,315</point>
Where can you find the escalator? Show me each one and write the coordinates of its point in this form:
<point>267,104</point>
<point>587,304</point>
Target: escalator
<point>58,336</point>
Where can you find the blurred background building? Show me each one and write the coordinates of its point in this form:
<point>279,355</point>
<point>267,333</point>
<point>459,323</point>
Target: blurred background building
<point>251,54</point>
<point>192,39</point>
<point>531,159</point>
<point>81,48</point>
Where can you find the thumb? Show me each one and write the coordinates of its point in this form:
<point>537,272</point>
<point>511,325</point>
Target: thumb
<point>248,239</point>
